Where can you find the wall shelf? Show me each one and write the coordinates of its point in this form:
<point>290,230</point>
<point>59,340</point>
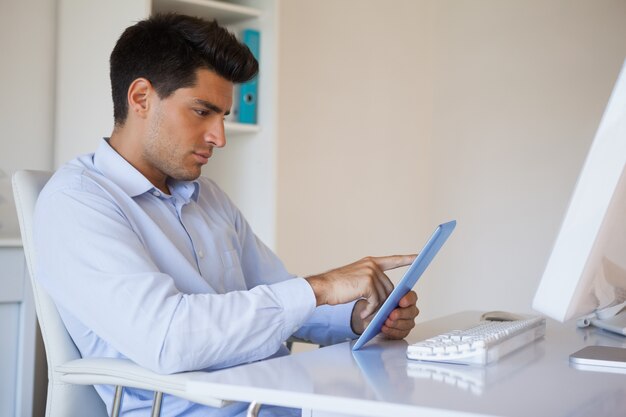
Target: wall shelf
<point>232,127</point>
<point>225,13</point>
<point>10,242</point>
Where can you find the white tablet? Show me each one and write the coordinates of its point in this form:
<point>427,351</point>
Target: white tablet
<point>415,271</point>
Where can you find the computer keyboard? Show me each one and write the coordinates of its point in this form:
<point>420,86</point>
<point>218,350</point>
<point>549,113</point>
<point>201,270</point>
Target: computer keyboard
<point>481,344</point>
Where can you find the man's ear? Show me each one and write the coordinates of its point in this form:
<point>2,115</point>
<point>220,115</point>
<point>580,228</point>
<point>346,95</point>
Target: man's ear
<point>140,94</point>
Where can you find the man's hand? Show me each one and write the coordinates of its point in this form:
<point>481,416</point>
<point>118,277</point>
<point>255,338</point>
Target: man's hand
<point>399,323</point>
<point>362,279</point>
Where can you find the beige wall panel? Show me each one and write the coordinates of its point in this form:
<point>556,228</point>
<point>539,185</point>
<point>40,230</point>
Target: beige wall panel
<point>354,133</point>
<point>397,115</point>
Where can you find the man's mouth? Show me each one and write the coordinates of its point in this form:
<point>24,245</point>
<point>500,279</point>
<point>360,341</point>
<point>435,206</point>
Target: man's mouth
<point>202,157</point>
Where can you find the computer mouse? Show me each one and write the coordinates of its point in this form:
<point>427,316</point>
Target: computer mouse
<point>500,316</point>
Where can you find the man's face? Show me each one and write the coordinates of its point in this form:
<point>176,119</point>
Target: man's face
<point>184,128</point>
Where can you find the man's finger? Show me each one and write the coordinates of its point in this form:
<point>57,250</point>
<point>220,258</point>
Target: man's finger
<point>400,324</point>
<point>404,313</point>
<point>394,333</point>
<point>381,291</point>
<point>408,299</point>
<point>374,300</point>
<point>385,282</point>
<point>394,261</point>
<point>369,309</point>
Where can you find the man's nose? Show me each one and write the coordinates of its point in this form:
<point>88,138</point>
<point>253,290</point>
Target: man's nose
<point>215,134</point>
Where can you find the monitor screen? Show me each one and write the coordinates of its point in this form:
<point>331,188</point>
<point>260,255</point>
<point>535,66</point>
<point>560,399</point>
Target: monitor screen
<point>586,270</point>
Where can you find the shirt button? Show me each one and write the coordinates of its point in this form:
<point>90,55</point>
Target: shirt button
<point>201,254</point>
<point>156,193</point>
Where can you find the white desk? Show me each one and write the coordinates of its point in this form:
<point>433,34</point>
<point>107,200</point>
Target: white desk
<point>535,381</point>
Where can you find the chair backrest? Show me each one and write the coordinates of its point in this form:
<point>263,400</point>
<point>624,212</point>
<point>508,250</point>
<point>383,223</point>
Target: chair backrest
<point>63,399</point>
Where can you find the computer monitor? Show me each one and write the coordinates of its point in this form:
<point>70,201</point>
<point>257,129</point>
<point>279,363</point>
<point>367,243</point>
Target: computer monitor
<point>586,271</point>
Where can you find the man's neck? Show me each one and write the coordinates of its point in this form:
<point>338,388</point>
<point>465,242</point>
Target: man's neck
<point>123,142</point>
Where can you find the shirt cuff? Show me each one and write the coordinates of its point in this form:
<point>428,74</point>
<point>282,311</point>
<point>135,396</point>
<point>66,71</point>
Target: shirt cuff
<point>298,301</point>
<point>341,319</point>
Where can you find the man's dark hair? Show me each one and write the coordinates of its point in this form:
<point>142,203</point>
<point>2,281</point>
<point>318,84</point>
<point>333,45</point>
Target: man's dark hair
<point>168,49</point>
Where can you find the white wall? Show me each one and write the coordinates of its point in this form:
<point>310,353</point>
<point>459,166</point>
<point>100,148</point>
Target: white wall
<point>27,79</point>
<point>87,34</point>
<point>396,118</point>
<point>354,134</point>
<point>519,91</point>
<point>27,47</point>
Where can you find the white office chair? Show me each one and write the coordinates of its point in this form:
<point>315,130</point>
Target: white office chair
<point>70,378</point>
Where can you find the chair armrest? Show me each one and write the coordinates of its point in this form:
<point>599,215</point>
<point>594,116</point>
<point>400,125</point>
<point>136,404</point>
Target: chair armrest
<point>111,371</point>
<point>292,339</point>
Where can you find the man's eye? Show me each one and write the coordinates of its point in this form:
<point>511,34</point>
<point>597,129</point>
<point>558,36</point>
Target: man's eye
<point>201,112</point>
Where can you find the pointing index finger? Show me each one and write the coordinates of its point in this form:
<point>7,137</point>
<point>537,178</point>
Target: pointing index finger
<point>394,261</point>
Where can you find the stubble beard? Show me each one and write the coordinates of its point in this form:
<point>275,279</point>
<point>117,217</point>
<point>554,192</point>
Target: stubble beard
<point>162,152</point>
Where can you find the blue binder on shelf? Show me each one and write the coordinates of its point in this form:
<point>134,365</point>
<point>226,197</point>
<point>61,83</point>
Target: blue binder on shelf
<point>248,92</point>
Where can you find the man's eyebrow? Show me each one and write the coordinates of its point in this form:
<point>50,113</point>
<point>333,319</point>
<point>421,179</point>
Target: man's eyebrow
<point>210,106</point>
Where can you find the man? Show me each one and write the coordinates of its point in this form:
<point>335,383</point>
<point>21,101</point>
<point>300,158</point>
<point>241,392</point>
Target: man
<point>147,260</point>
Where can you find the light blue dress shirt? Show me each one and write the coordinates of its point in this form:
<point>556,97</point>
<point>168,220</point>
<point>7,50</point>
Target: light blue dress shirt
<point>173,282</point>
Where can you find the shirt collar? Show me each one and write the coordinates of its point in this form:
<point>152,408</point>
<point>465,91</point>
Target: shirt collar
<point>186,189</point>
<point>113,166</point>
